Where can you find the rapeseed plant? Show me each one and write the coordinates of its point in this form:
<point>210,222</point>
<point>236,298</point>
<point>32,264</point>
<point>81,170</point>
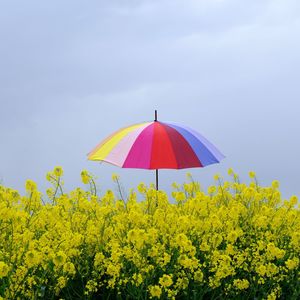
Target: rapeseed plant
<point>237,241</point>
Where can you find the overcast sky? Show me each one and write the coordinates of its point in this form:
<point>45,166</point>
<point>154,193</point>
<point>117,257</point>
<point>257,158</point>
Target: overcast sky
<point>72,72</point>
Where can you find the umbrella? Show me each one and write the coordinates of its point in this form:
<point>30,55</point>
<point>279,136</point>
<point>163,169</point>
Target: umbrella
<point>156,145</point>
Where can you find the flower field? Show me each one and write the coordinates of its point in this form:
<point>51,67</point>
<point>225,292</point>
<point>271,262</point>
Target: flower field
<point>233,241</point>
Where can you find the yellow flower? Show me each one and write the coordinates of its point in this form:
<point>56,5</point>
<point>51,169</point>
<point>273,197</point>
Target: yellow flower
<point>58,171</point>
<point>179,196</point>
<point>261,270</point>
<point>137,279</point>
<point>241,284</point>
<point>85,178</point>
<point>155,291</point>
<point>204,246</point>
<point>271,296</point>
<point>115,177</point>
<point>292,263</point>
<point>232,236</point>
<point>198,276</point>
<point>293,200</point>
<point>49,176</point>
<point>230,172</point>
<point>279,253</point>
<point>211,189</point>
<point>61,282</point>
<point>113,269</point>
<point>175,185</point>
<point>60,258</point>
<point>217,177</point>
<point>30,185</point>
<point>166,259</point>
<point>275,184</point>
<point>252,174</point>
<point>182,283</point>
<point>4,269</point>
<point>69,268</point>
<point>165,281</point>
<point>229,249</point>
<point>272,270</point>
<point>91,287</point>
<point>32,258</point>
<point>142,188</point>
<point>189,176</point>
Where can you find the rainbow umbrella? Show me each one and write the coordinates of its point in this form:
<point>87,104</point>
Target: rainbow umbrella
<point>156,145</point>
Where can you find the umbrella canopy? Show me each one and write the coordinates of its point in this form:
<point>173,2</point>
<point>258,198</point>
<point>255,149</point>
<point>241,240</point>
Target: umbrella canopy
<point>156,145</point>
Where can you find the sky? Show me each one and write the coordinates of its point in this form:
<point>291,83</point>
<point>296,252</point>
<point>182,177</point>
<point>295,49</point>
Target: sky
<point>73,72</point>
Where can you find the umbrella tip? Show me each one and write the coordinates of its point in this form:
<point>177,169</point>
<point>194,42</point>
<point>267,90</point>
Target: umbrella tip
<point>155,115</point>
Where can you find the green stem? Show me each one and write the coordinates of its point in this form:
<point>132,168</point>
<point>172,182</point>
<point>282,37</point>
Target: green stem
<point>94,185</point>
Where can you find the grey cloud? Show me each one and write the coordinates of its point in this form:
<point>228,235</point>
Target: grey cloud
<point>72,72</point>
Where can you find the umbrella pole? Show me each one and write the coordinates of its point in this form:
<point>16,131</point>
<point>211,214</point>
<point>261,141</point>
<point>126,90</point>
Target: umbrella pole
<point>156,171</point>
